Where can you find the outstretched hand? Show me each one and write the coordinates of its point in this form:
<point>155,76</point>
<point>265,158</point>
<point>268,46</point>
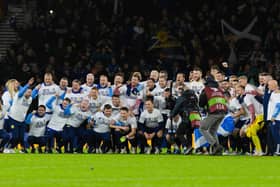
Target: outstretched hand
<point>31,81</point>
<point>38,87</point>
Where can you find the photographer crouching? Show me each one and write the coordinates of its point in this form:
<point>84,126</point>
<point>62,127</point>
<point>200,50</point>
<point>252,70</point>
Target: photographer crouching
<point>187,107</point>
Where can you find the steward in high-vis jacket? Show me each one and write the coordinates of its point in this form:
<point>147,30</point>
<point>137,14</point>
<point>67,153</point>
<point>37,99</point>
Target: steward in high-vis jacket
<point>212,98</point>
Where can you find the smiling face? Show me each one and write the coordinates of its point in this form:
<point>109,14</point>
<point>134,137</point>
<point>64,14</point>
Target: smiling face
<point>134,81</point>
<point>150,83</point>
<point>149,106</point>
<point>63,83</point>
<point>225,85</point>
<point>180,78</point>
<point>242,81</point>
<point>90,79</point>
<point>162,82</point>
<point>116,101</point>
<point>107,111</point>
<point>41,110</point>
<point>103,80</point>
<point>233,81</point>
<point>118,80</point>
<point>28,93</point>
<point>76,85</point>
<point>94,92</point>
<point>48,79</point>
<point>65,103</point>
<point>239,90</point>
<point>154,75</point>
<point>124,114</point>
<point>84,105</point>
<point>196,75</point>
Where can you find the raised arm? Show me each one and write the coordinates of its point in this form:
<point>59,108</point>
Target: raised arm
<point>28,118</point>
<point>49,103</point>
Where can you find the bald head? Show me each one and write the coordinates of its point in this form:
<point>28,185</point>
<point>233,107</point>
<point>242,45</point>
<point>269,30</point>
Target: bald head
<point>154,74</point>
<point>272,85</point>
<point>90,79</point>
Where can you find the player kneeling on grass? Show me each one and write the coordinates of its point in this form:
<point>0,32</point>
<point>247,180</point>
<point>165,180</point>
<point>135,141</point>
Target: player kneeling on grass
<point>57,122</point>
<point>150,122</point>
<point>78,114</point>
<point>37,121</point>
<point>4,136</point>
<point>101,130</point>
<point>125,127</point>
<point>171,137</point>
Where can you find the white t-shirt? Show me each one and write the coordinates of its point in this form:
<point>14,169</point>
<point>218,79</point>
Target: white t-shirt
<point>38,125</point>
<point>249,88</point>
<point>105,91</point>
<point>273,101</point>
<point>131,98</point>
<point>151,120</point>
<point>130,121</point>
<point>2,117</point>
<point>76,97</point>
<point>58,119</point>
<point>20,107</point>
<point>175,124</point>
<point>159,90</point>
<point>160,103</point>
<point>101,122</point>
<point>77,116</point>
<point>234,105</point>
<point>196,86</point>
<point>95,104</point>
<point>46,92</point>
<point>87,88</point>
<point>250,99</point>
<point>115,109</point>
<point>7,99</point>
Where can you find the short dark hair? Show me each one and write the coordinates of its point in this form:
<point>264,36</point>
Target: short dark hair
<point>167,90</point>
<point>76,81</point>
<point>64,78</point>
<point>152,79</point>
<point>107,106</point>
<point>116,95</point>
<point>42,106</point>
<point>149,98</point>
<point>67,99</point>
<point>119,74</point>
<point>124,109</point>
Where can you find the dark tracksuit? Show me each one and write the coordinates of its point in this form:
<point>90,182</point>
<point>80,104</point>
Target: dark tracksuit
<point>185,104</point>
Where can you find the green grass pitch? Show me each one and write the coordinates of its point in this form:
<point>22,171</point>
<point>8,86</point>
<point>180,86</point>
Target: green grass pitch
<point>137,170</point>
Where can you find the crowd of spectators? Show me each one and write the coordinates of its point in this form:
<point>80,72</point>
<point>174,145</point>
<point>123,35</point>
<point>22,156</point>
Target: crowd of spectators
<point>81,36</point>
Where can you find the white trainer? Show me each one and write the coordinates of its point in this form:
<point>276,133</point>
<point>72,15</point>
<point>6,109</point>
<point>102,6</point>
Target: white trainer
<point>133,150</point>
<point>157,151</point>
<point>123,151</point>
<point>148,150</point>
<point>9,151</point>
